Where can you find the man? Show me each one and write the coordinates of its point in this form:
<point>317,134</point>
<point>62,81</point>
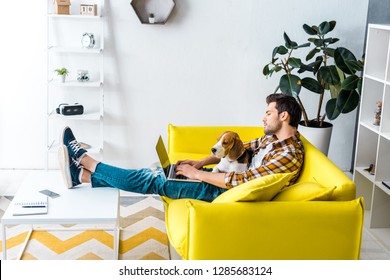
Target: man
<point>279,150</point>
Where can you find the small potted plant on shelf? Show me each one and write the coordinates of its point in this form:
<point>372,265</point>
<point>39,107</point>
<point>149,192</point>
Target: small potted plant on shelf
<point>151,18</point>
<point>62,72</point>
<point>334,70</point>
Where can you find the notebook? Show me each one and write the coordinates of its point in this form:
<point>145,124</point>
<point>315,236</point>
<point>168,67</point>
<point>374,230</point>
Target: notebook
<point>32,204</point>
<point>168,167</point>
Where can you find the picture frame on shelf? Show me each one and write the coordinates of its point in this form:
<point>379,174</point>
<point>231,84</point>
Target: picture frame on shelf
<point>88,10</point>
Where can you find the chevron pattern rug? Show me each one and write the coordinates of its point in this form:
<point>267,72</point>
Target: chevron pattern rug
<point>142,236</point>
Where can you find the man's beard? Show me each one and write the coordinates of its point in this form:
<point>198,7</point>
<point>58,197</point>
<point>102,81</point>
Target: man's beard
<point>271,130</point>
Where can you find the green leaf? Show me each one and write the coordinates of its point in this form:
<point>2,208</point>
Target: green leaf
<point>347,101</point>
<point>294,62</point>
<point>343,58</point>
<point>303,45</point>
<point>331,109</point>
<point>355,65</point>
<point>279,50</point>
<point>289,44</point>
<point>332,24</point>
<point>304,68</point>
<point>290,84</point>
<point>309,30</point>
<point>287,40</point>
<point>341,75</point>
<point>312,53</point>
<point>334,90</point>
<point>324,28</point>
<point>328,40</point>
<point>266,70</point>
<point>317,64</point>
<point>294,45</point>
<point>312,67</point>
<point>329,74</point>
<point>350,83</point>
<point>318,42</point>
<point>312,85</point>
<point>277,68</point>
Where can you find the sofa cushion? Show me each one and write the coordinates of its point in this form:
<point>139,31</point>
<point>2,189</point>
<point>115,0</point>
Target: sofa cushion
<point>305,191</point>
<point>259,189</point>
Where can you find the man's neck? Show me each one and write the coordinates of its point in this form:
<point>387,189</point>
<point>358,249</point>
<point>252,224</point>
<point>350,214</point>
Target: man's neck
<point>286,132</point>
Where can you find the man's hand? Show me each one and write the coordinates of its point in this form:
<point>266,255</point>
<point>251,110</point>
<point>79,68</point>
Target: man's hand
<point>216,179</point>
<point>198,164</point>
<point>188,171</point>
<point>195,163</point>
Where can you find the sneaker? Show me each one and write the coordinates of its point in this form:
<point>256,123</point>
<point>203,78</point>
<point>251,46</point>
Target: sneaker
<point>74,148</point>
<point>70,168</point>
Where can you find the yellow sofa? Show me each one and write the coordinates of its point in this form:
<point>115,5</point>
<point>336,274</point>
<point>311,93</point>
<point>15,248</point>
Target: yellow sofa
<point>199,230</point>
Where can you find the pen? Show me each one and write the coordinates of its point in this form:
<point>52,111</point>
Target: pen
<point>34,206</point>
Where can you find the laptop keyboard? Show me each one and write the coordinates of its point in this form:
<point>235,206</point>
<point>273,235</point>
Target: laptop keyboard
<point>176,176</point>
<point>182,177</point>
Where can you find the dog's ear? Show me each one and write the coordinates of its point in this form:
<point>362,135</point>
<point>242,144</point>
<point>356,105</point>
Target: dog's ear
<point>220,136</point>
<point>237,148</point>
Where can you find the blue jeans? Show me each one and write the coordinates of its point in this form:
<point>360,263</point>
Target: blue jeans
<point>151,181</point>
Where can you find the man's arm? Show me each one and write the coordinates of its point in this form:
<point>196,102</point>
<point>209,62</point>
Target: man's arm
<point>198,164</point>
<point>216,179</point>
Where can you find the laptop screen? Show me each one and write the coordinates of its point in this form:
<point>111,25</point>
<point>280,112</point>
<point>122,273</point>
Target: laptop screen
<point>162,153</point>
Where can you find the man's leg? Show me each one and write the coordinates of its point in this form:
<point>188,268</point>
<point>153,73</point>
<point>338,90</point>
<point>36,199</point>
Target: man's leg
<point>151,181</point>
<point>89,163</point>
<point>78,167</point>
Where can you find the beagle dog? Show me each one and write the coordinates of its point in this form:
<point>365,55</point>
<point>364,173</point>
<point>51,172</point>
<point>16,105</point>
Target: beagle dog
<point>229,148</point>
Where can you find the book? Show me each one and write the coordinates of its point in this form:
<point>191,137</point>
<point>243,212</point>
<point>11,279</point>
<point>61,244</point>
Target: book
<point>33,204</point>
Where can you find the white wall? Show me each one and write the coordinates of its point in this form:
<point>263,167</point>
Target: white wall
<point>207,59</point>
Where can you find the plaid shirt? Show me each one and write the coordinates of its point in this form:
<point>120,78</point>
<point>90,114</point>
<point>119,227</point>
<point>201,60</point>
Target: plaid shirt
<point>284,156</point>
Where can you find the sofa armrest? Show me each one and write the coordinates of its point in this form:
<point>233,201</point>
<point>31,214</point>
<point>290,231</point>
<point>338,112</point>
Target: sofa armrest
<point>318,168</point>
<point>267,230</point>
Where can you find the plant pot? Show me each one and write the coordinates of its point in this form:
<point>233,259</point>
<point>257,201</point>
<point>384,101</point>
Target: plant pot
<point>319,137</point>
<point>61,78</point>
<point>151,20</point>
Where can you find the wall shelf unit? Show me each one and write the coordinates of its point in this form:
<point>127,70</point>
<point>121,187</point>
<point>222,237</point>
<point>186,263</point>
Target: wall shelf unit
<point>64,49</point>
<point>373,142</point>
<point>83,17</point>
<point>76,84</point>
<point>75,50</point>
<point>160,8</point>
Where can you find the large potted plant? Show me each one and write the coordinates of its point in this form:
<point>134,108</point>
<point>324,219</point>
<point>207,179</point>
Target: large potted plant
<point>335,70</point>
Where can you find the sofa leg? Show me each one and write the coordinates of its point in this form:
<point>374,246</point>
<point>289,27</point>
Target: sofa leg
<point>173,255</point>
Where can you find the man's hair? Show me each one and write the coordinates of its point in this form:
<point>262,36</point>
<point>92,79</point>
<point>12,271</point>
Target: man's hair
<point>286,103</point>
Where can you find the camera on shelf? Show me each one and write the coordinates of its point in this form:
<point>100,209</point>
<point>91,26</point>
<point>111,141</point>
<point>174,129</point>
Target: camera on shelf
<point>70,109</point>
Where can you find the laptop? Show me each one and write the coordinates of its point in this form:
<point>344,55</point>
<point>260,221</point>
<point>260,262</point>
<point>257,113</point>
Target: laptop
<point>167,166</point>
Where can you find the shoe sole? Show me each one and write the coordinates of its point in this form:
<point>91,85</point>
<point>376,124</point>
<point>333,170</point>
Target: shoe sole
<point>62,135</point>
<point>63,158</point>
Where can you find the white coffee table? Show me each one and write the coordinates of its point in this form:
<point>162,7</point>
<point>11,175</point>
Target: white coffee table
<point>79,205</point>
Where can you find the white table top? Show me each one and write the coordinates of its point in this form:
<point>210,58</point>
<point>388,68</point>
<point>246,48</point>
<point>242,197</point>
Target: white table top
<point>82,204</point>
